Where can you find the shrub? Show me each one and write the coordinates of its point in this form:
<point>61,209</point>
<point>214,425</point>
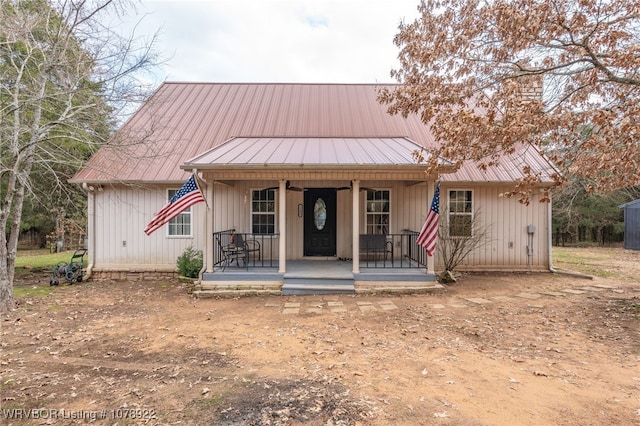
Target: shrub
<point>190,262</point>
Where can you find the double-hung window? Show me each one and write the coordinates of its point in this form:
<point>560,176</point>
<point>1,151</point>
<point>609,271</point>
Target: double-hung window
<point>263,211</point>
<point>377,212</point>
<point>181,225</point>
<point>460,218</point>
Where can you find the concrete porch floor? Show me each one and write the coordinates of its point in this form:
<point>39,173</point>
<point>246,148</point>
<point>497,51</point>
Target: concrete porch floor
<point>318,277</point>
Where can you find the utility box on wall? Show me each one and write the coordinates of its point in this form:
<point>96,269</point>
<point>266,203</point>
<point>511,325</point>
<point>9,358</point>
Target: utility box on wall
<point>631,224</point>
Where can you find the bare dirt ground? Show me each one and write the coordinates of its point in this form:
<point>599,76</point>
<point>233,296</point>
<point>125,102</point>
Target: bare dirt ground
<point>493,349</point>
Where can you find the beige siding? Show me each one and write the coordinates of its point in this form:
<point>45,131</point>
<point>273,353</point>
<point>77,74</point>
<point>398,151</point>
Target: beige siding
<point>408,209</point>
<point>506,221</point>
<point>121,215</point>
<point>295,225</point>
<point>345,224</point>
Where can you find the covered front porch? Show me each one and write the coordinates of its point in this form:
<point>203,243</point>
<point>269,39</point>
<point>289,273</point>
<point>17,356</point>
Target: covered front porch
<point>248,262</point>
<point>340,213</point>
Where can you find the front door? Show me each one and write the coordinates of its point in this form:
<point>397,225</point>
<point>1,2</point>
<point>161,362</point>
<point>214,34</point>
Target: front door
<point>320,222</point>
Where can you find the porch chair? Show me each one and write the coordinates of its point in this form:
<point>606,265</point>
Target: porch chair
<point>231,248</point>
<point>250,246</point>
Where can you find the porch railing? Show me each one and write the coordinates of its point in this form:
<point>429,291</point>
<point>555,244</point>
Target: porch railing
<point>392,251</point>
<point>233,249</point>
<point>261,250</point>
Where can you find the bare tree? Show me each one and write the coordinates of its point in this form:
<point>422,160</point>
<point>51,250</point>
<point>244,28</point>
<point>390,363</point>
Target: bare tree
<point>491,76</point>
<point>458,239</point>
<point>65,76</point>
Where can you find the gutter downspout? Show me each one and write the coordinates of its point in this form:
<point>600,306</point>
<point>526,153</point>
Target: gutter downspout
<point>91,223</point>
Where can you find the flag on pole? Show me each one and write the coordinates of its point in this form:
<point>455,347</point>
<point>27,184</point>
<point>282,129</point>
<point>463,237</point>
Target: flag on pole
<point>429,233</point>
<point>186,196</point>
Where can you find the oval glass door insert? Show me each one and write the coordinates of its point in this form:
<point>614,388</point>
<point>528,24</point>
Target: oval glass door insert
<point>320,214</point>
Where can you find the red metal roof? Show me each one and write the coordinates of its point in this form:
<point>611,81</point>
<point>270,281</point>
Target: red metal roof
<point>182,121</point>
<point>289,151</point>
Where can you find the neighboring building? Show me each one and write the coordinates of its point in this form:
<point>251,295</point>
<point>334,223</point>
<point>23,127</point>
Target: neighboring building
<point>631,224</point>
<point>302,171</point>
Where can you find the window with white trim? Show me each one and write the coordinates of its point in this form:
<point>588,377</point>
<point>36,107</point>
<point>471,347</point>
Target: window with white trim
<point>263,211</point>
<point>377,212</point>
<point>460,213</point>
<point>181,225</point>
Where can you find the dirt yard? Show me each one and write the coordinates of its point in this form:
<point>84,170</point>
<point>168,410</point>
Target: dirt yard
<point>526,349</point>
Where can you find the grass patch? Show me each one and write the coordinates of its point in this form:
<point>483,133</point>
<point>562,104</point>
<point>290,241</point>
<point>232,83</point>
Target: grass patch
<point>208,402</point>
<point>41,259</point>
<point>585,261</point>
<point>32,291</point>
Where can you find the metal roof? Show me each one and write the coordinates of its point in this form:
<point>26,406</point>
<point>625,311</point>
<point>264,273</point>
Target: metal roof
<point>508,169</point>
<point>635,204</point>
<point>310,152</point>
<point>184,121</point>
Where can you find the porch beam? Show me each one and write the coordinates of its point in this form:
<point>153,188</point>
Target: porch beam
<point>355,234</point>
<point>282,224</point>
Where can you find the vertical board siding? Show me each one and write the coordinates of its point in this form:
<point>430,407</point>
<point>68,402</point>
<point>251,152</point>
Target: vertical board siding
<point>295,225</point>
<point>345,224</point>
<point>506,221</point>
<point>632,227</point>
<point>122,213</point>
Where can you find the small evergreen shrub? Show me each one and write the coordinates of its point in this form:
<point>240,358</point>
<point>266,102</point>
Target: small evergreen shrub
<point>190,262</point>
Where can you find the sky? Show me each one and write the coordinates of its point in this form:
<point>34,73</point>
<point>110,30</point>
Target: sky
<point>275,41</point>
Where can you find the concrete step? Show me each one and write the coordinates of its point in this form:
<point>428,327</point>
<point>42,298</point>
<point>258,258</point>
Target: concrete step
<point>300,286</point>
<point>232,293</point>
<point>429,288</point>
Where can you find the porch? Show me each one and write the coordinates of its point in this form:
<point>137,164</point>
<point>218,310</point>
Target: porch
<point>248,264</point>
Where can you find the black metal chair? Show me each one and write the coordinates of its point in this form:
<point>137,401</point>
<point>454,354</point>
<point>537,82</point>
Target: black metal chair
<point>251,246</point>
<point>232,250</point>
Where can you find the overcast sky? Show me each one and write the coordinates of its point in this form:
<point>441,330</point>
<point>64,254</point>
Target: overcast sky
<point>307,41</point>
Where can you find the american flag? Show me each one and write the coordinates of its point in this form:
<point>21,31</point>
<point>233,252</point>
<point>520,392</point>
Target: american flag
<point>186,196</point>
<point>429,233</point>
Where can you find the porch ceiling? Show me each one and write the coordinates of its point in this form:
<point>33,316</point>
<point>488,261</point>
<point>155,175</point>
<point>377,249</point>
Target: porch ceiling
<point>306,152</point>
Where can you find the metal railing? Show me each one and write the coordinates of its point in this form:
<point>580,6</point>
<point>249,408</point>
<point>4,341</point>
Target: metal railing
<point>246,250</point>
<point>392,251</point>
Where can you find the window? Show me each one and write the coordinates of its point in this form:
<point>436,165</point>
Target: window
<point>377,212</point>
<point>179,226</point>
<point>460,213</point>
<point>263,211</point>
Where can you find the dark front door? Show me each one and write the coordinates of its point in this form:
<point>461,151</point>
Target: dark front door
<point>320,222</point>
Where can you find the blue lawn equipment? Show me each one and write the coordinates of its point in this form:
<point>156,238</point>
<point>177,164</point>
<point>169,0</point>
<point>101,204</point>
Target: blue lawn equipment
<point>72,271</point>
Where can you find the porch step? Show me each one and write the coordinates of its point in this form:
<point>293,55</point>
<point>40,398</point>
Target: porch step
<point>233,293</point>
<point>221,289</point>
<point>295,286</point>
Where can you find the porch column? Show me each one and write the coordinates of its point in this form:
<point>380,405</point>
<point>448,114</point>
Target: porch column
<point>208,248</point>
<point>431,260</point>
<point>355,234</point>
<point>282,224</point>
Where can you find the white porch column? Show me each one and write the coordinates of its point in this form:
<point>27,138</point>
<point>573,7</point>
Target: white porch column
<point>431,187</point>
<point>209,249</point>
<point>355,256</point>
<point>282,225</point>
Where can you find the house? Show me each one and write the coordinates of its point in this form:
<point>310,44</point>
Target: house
<point>316,177</point>
<point>631,224</point>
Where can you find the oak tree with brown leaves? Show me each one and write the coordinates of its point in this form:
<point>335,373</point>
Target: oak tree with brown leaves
<point>563,76</point>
